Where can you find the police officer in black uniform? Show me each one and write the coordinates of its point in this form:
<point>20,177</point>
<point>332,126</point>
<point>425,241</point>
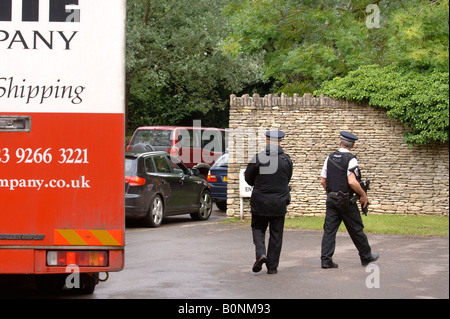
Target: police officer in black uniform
<point>269,172</point>
<point>339,180</point>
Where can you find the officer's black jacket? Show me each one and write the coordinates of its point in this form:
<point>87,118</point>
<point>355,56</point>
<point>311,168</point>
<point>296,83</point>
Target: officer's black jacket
<point>269,173</point>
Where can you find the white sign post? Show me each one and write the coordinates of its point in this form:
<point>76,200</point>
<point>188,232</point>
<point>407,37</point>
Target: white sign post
<point>245,191</point>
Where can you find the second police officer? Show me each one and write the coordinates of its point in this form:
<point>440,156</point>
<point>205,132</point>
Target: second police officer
<point>339,180</point>
<point>269,172</point>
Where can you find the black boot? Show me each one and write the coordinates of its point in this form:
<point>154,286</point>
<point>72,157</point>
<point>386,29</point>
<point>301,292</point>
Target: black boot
<point>329,264</point>
<point>373,258</point>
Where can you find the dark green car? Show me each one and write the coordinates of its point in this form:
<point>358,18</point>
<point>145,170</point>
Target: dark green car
<point>157,186</point>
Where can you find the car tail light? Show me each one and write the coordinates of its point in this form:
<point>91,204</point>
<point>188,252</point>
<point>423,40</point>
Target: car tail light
<point>129,147</point>
<point>135,180</point>
<point>78,258</point>
<point>211,178</point>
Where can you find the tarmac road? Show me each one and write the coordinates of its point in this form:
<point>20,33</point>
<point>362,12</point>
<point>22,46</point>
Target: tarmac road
<point>185,259</point>
<point>204,260</point>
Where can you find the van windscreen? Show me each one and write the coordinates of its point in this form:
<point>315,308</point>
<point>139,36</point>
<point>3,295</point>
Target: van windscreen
<point>153,137</point>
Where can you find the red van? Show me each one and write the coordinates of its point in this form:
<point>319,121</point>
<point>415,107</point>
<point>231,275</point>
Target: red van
<point>197,147</point>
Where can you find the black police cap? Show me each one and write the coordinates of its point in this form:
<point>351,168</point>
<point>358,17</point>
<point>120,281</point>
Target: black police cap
<point>349,137</point>
<point>275,135</point>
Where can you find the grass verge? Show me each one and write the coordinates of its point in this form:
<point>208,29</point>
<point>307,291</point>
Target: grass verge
<point>411,225</point>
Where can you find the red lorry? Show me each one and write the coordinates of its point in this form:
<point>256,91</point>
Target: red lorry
<point>62,80</point>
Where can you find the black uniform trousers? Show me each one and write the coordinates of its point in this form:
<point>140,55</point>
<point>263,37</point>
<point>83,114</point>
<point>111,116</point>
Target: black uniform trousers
<point>276,227</point>
<point>350,215</point>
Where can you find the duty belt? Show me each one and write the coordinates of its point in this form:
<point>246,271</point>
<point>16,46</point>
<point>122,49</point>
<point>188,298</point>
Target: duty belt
<point>339,195</point>
<point>343,199</point>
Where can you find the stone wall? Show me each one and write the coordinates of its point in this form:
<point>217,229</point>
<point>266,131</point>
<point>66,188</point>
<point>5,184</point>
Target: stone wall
<point>404,179</point>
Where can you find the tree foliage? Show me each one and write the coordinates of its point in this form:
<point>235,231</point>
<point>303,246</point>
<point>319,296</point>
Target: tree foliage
<point>415,87</point>
<point>304,42</point>
<point>419,99</point>
<point>176,71</point>
<point>400,65</point>
<point>184,58</point>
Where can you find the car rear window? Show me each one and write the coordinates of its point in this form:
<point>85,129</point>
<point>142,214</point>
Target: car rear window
<point>152,137</point>
<point>222,161</point>
<point>130,165</point>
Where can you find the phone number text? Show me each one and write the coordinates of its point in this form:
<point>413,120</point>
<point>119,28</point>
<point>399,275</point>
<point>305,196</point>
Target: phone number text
<point>45,156</point>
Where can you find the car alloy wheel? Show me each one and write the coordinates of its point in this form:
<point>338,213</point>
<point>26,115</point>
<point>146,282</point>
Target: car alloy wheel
<point>155,214</point>
<point>205,205</point>
<point>205,208</point>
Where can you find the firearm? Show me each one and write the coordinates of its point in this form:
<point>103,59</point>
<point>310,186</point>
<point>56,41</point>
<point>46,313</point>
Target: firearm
<point>365,186</point>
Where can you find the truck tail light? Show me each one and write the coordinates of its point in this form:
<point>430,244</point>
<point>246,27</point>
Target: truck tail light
<point>135,180</point>
<point>78,258</point>
<point>211,178</point>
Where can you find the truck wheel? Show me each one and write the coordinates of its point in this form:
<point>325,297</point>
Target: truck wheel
<point>53,283</point>
<point>88,283</point>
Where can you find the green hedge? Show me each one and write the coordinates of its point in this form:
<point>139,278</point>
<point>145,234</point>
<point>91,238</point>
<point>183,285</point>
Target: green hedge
<point>419,99</point>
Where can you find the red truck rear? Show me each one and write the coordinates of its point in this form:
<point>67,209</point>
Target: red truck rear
<point>62,74</point>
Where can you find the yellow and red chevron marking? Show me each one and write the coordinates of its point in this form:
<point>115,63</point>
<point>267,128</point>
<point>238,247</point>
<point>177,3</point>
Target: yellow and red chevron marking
<point>85,237</point>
